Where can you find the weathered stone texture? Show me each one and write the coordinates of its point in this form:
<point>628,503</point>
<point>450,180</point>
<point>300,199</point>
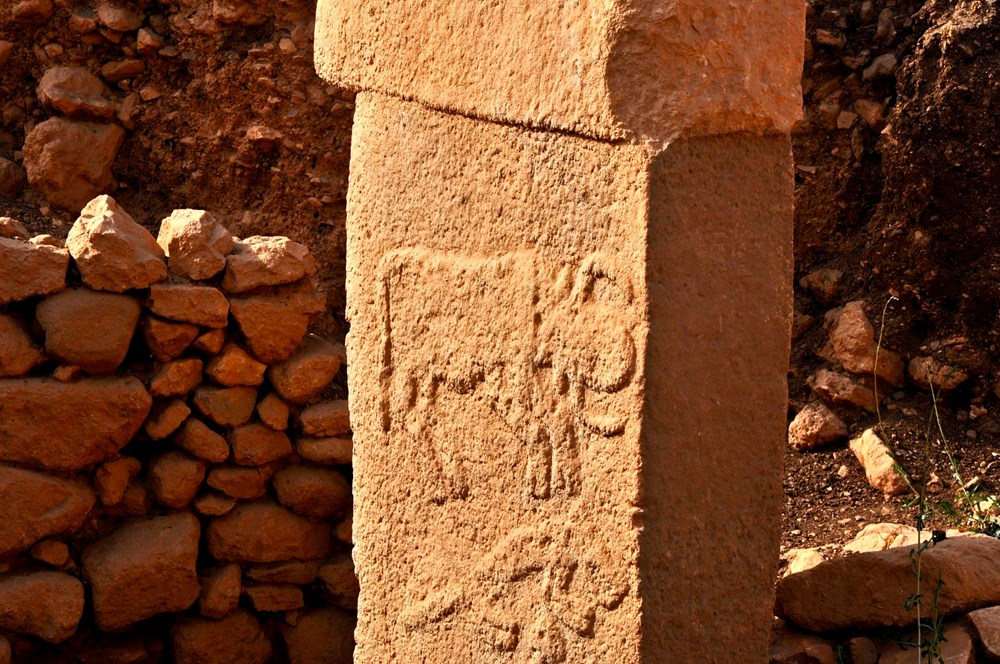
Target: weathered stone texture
<point>46,605</point>
<point>33,506</point>
<point>71,319</point>
<point>30,269</point>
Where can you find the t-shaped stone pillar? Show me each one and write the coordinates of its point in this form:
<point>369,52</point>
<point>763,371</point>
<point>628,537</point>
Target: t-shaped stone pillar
<point>569,286</point>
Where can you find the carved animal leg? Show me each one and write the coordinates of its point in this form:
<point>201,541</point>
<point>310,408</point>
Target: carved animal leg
<point>565,457</point>
<point>538,471</point>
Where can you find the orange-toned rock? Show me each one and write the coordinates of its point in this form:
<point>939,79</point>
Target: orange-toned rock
<point>34,506</point>
<point>315,492</point>
<point>242,483</point>
<point>51,552</point>
<point>118,17</point>
<point>266,261</point>
<point>143,569</point>
<point>13,229</point>
<point>211,342</point>
<point>45,605</point>
<point>986,626</point>
<point>274,325</point>
<point>871,589</point>
<point>791,647</point>
<point>18,352</point>
<point>175,478</point>
<point>326,451</point>
<point>273,412</point>
<point>226,406</point>
<point>76,93</point>
<point>34,411</point>
<point>198,439</point>
<point>234,367</point>
<point>220,592</point>
<point>926,371</point>
<point>5,651</point>
<point>113,252</point>
<point>196,244</point>
<point>117,650</point>
<point>340,581</point>
<point>327,418</point>
<point>214,504</point>
<point>27,270</point>
<point>165,418</point>
<point>166,340</point>
<point>70,319</point>
<point>69,162</point>
<point>177,378</point>
<point>879,464</point>
<point>839,390</point>
<point>199,305</point>
<point>345,531</point>
<point>256,445</point>
<point>853,345</point>
<point>298,572</point>
<point>112,478</point>
<point>265,533</point>
<point>308,371</point>
<point>320,636</point>
<point>956,647</point>
<point>137,500</point>
<point>236,639</point>
<point>274,597</point>
<point>814,426</point>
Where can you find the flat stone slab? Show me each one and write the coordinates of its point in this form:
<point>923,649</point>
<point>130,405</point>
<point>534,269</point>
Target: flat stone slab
<point>69,426</point>
<point>622,69</point>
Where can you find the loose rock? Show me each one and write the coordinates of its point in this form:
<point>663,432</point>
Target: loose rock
<point>815,425</point>
<point>986,626</point>
<point>176,378</point>
<point>51,552</point>
<point>824,284</point>
<point>175,479</point>
<point>166,418</point>
<point>266,261</point>
<point>926,371</point>
<point>273,412</point>
<point>76,93</point>
<point>166,340</point>
<point>195,243</point>
<point>879,464</point>
<point>45,605</point>
<point>308,371</point>
<point>34,506</point>
<point>113,252</point>
<point>200,305</point>
<point>327,418</point>
<point>853,346</point>
<point>264,533</point>
<point>143,569</point>
<point>18,353</point>
<point>234,367</point>
<point>256,445</point>
<point>839,390</point>
<point>791,647</point>
<point>220,592</point>
<point>112,478</point>
<point>226,406</point>
<point>70,319</point>
<point>236,639</point>
<point>274,325</point>
<point>27,270</point>
<point>214,504</point>
<point>196,438</point>
<point>13,179</point>
<point>315,492</point>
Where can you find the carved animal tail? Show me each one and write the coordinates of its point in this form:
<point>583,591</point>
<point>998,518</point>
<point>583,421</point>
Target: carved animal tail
<point>385,354</point>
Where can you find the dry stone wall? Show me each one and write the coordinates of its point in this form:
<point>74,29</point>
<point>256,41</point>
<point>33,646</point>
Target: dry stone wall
<point>175,481</point>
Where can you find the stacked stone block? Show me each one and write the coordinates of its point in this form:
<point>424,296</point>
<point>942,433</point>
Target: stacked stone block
<point>174,478</point>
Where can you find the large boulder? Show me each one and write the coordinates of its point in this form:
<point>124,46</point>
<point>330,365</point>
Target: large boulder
<point>143,569</point>
<point>69,162</point>
<point>68,426</point>
<point>45,605</point>
<point>34,506</point>
<point>70,318</point>
<point>871,590</point>
<point>112,252</point>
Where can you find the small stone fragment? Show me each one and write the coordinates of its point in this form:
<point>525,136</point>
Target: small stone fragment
<point>274,325</point>
<point>211,342</point>
<point>120,70</point>
<point>815,425</point>
<point>177,378</point>
<point>340,581</point>
<point>879,464</point>
<point>34,410</point>
<point>277,597</point>
<point>195,437</point>
<point>799,560</point>
<point>69,161</point>
<point>220,592</point>
<point>257,445</point>
<point>13,179</point>
<point>315,492</point>
<point>118,17</point>
<point>236,639</point>
<point>226,406</point>
<point>70,319</point>
<point>51,552</point>
<point>853,346</point>
<point>883,65</point>
<point>143,569</point>
<point>326,451</point>
<point>175,479</point>
<point>200,305</point>
<point>265,533</point>
<point>327,418</point>
<point>45,605</point>
<point>18,352</point>
<point>242,483</point>
<point>136,502</point>
<point>824,284</point>
<point>840,390</point>
<point>112,478</point>
<point>214,504</point>
<point>870,111</point>
<point>112,252</point>
<point>926,371</point>
<point>13,229</point>
<point>36,12</point>
<point>166,418</point>
<point>34,506</point>
<point>27,270</point>
<point>195,243</point>
<point>266,261</point>
<point>76,93</point>
<point>320,636</point>
<point>234,367</point>
<point>345,531</point>
<point>273,412</point>
<point>166,340</point>
<point>308,371</point>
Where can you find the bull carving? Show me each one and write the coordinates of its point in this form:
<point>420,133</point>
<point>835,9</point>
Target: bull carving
<point>546,348</point>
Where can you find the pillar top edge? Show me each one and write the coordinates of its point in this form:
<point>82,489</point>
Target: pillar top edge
<point>633,70</point>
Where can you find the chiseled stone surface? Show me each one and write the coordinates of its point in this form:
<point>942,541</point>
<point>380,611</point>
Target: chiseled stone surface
<point>634,69</point>
<point>512,353</point>
<point>34,411</point>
